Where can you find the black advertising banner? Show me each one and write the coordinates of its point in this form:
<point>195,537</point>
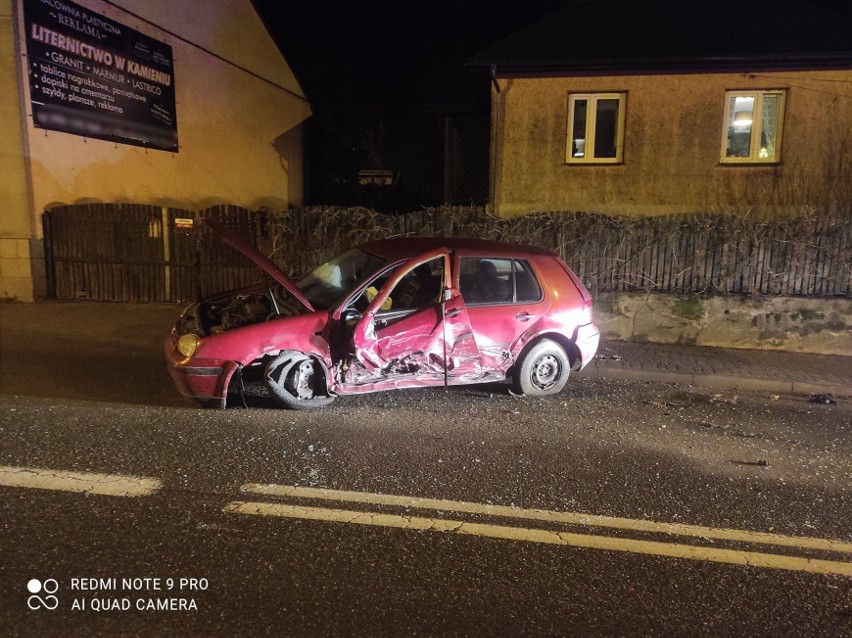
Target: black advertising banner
<point>95,77</point>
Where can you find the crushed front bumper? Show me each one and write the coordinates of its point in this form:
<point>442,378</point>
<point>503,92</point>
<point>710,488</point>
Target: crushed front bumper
<point>203,380</point>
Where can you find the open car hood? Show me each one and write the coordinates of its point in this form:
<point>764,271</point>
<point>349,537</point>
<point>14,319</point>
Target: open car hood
<point>264,262</point>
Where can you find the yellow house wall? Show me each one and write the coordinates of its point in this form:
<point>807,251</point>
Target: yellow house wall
<point>239,115</point>
<point>672,147</point>
<point>16,221</point>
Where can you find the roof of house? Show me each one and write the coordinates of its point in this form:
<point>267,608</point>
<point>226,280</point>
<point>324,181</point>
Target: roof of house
<point>597,36</point>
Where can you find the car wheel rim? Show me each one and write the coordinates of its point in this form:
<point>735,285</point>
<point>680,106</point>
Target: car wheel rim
<point>546,372</point>
<point>296,377</point>
<point>302,380</point>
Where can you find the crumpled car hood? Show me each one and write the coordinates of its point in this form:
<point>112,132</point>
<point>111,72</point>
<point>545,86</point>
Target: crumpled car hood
<point>262,261</point>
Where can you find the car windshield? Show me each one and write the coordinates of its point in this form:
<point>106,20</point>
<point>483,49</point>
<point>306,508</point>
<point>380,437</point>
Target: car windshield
<point>337,277</point>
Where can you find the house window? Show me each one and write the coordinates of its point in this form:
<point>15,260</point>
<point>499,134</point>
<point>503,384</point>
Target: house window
<point>595,128</point>
<point>752,127</point>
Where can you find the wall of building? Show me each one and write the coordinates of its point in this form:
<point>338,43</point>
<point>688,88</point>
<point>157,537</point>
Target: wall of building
<point>239,115</point>
<point>672,147</point>
<point>16,219</point>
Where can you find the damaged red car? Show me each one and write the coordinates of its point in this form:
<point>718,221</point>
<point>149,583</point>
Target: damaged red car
<point>395,313</point>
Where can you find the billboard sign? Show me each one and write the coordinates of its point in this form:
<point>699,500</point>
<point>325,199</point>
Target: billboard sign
<point>95,77</point>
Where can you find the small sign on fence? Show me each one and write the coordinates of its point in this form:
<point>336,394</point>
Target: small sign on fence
<point>184,222</point>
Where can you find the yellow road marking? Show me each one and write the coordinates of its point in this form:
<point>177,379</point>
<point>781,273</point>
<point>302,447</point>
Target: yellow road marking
<point>589,541</point>
<point>571,518</point>
<point>88,482</point>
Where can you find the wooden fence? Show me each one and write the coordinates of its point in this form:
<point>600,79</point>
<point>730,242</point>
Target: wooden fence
<point>128,252</point>
<point>141,253</point>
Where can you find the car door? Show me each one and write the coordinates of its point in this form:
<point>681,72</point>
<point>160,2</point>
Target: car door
<point>428,341</point>
<point>504,299</point>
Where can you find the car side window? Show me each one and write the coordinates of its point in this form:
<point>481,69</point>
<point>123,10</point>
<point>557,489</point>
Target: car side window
<point>487,281</point>
<point>420,287</point>
<point>370,291</point>
<point>527,288</point>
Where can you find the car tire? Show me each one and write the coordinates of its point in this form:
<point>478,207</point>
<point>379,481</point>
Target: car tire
<point>297,381</point>
<point>542,370</point>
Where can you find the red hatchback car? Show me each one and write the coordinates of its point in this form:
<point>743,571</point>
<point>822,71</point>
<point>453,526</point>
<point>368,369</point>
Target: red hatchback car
<point>396,313</point>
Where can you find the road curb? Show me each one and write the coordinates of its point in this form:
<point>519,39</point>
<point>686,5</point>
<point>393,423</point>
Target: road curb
<point>719,380</point>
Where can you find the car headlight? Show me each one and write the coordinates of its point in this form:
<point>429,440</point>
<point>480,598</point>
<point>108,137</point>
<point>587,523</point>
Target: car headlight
<point>187,345</point>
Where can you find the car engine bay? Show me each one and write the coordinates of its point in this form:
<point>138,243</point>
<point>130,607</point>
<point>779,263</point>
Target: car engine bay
<point>233,310</point>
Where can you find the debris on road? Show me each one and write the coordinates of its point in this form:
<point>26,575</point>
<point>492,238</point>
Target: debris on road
<point>758,463</point>
<point>606,355</point>
<point>721,398</point>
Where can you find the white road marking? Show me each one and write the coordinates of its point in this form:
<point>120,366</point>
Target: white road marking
<point>590,541</point>
<point>88,482</point>
<point>571,518</point>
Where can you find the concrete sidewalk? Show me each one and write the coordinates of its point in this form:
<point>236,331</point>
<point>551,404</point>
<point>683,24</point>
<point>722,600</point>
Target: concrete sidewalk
<point>142,326</point>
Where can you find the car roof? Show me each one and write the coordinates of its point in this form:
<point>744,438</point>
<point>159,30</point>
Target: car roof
<point>403,247</point>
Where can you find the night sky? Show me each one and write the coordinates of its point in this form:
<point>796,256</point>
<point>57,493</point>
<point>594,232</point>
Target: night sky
<point>379,73</point>
<point>390,57</point>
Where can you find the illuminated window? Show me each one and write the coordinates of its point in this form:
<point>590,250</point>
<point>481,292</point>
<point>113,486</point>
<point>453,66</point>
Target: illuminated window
<point>595,128</point>
<point>752,127</point>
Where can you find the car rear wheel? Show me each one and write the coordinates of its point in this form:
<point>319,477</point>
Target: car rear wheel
<point>543,370</point>
<point>297,381</point>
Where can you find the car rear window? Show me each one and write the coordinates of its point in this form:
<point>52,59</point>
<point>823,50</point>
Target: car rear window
<point>490,280</point>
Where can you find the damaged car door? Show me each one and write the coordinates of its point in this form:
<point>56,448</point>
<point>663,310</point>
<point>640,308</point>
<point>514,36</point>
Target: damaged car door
<point>416,330</point>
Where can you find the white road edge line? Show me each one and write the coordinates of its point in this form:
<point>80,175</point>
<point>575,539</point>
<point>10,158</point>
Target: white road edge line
<point>570,518</point>
<point>587,541</point>
<point>87,482</point>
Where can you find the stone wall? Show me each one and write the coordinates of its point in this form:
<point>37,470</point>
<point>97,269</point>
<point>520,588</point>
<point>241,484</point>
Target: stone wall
<point>792,324</point>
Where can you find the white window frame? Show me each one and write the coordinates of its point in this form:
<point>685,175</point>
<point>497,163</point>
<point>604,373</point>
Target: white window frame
<point>756,126</point>
<point>591,116</point>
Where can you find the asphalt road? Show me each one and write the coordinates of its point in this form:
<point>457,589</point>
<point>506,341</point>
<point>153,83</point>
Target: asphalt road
<point>616,508</point>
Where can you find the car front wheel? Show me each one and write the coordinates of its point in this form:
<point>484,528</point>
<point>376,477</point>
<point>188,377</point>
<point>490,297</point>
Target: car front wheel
<point>297,381</point>
<point>543,370</point>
